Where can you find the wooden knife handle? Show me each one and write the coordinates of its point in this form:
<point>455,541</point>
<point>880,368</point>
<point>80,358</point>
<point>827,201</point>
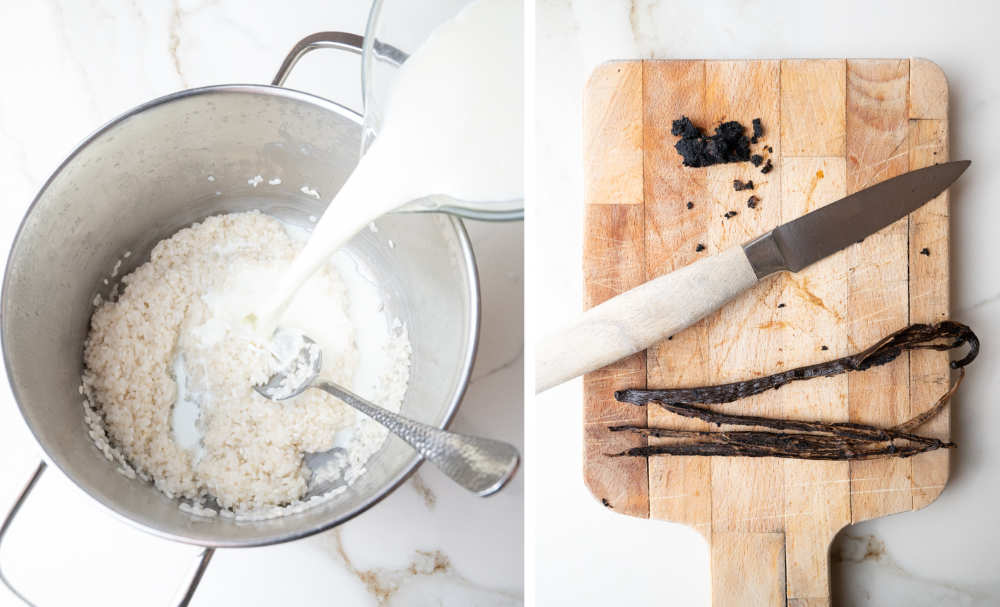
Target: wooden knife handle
<point>638,318</point>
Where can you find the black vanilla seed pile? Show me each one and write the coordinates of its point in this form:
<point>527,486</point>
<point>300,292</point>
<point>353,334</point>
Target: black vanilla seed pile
<point>729,143</point>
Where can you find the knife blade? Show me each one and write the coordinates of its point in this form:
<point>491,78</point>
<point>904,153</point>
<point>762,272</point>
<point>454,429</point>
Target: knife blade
<point>634,320</point>
<point>821,233</point>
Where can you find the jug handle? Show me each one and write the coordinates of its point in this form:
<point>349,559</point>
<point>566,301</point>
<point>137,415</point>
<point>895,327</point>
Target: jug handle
<point>184,598</point>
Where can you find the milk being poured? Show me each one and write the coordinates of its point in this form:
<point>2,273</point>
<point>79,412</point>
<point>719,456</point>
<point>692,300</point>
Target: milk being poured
<point>453,126</point>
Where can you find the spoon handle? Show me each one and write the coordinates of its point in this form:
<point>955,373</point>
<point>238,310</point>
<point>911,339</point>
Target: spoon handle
<point>481,465</point>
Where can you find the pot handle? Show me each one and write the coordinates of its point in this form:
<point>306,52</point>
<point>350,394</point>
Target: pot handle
<point>343,41</point>
<point>184,598</point>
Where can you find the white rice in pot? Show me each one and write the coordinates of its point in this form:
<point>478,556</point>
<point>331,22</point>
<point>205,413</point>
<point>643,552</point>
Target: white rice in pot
<point>173,341</point>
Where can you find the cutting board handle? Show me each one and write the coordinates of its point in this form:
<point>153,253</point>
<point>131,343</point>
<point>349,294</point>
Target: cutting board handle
<point>637,319</point>
<point>748,569</point>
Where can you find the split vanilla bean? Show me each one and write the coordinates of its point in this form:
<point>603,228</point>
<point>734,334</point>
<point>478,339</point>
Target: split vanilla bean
<point>802,439</point>
<point>797,439</point>
<point>945,335</point>
<point>766,450</point>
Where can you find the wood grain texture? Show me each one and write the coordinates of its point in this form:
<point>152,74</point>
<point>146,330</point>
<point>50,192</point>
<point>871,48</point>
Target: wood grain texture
<point>741,335</point>
<point>929,277</point>
<point>928,90</point>
<point>813,90</point>
<point>817,494</point>
<point>612,134</point>
<point>679,488</point>
<point>836,126</point>
<point>878,300</point>
<point>748,569</point>
<point>613,262</point>
<point>929,302</point>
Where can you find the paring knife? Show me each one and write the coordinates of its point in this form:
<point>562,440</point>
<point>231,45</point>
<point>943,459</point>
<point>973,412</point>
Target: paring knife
<point>638,318</point>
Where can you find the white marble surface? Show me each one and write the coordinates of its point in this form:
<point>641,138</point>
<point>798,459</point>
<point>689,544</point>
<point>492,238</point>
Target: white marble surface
<point>947,554</point>
<point>70,66</point>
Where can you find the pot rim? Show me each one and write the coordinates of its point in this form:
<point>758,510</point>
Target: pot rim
<point>475,305</point>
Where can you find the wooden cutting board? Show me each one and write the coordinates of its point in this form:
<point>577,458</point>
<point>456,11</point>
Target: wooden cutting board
<point>835,126</point>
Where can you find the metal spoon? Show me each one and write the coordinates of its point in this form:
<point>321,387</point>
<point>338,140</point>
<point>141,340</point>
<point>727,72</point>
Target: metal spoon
<point>481,465</point>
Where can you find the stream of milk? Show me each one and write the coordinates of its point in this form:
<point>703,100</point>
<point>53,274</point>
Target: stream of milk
<point>456,107</point>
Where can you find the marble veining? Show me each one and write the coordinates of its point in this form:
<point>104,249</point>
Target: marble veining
<point>865,573</point>
<point>388,585</point>
<point>989,301</point>
<point>59,16</point>
<point>175,41</point>
<point>425,492</point>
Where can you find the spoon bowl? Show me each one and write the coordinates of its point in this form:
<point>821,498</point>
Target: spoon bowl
<point>300,360</point>
<point>481,465</point>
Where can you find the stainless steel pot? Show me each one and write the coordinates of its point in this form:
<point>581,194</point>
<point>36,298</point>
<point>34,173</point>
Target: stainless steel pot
<point>171,162</point>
